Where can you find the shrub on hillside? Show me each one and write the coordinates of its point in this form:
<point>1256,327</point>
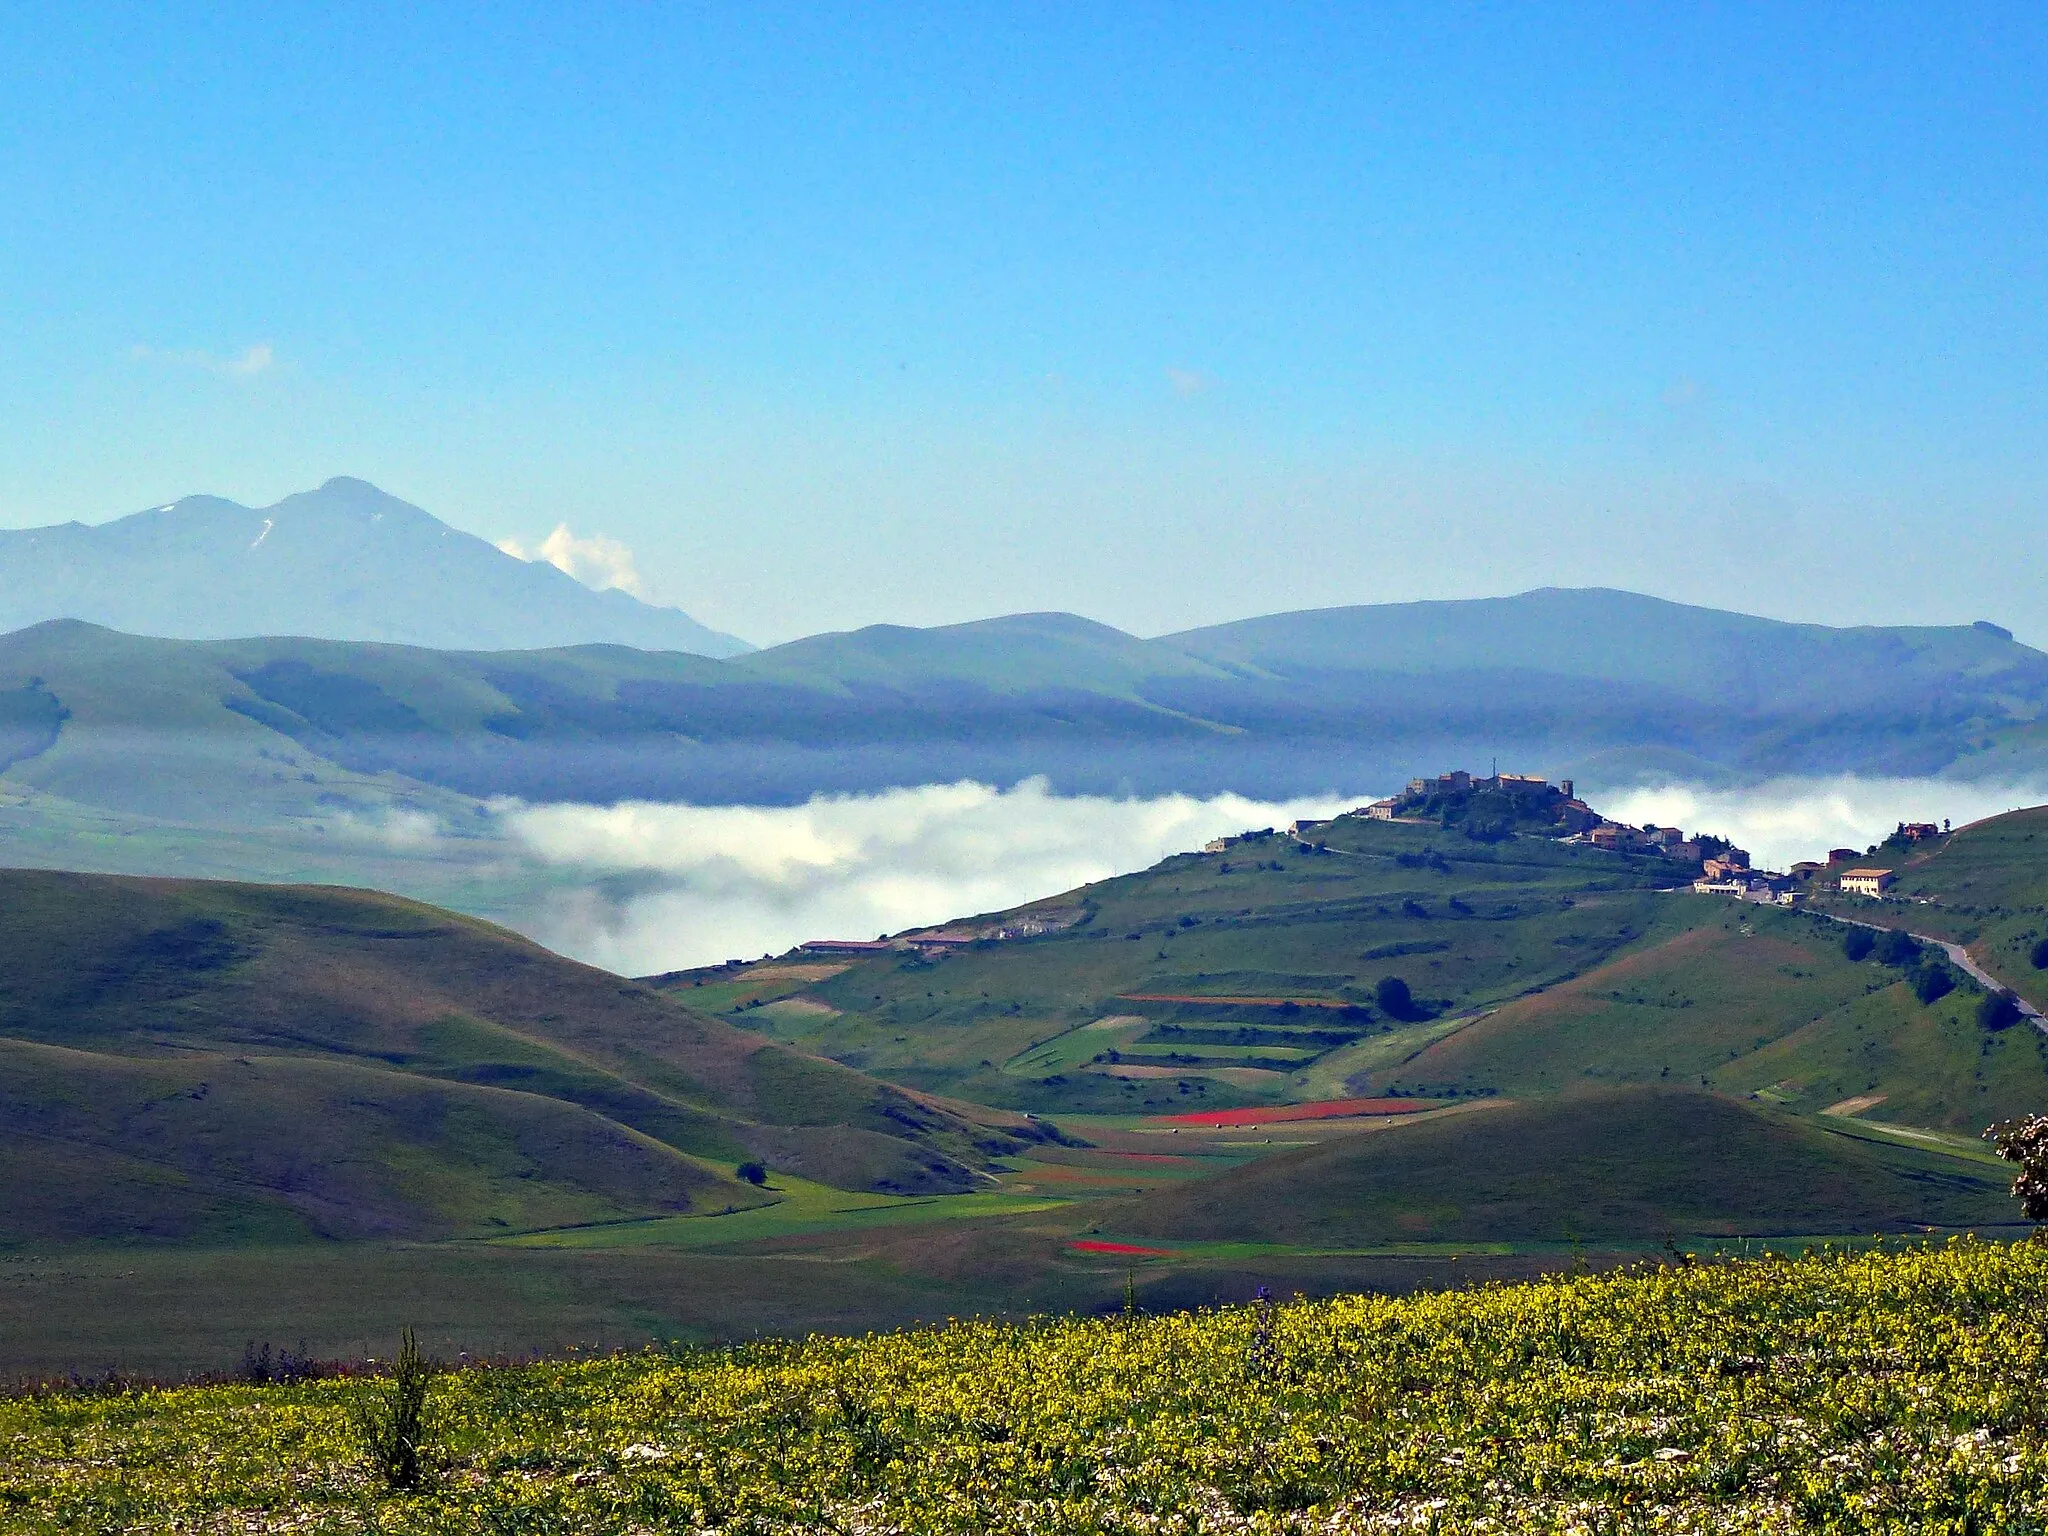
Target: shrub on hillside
<point>1933,981</point>
<point>1857,943</point>
<point>1896,948</point>
<point>755,1174</point>
<point>1394,998</point>
<point>2040,955</point>
<point>1997,1011</point>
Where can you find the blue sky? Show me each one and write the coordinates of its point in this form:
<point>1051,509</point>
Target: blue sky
<point>1165,315</point>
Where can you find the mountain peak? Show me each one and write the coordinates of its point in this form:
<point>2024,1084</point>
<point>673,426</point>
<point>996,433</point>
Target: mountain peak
<point>344,561</point>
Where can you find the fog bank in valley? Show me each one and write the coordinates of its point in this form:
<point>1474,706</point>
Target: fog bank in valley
<point>667,886</point>
<point>1785,820</point>
<point>641,887</point>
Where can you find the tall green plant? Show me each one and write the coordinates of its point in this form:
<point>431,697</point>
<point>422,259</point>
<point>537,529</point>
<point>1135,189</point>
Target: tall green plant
<point>391,1423</point>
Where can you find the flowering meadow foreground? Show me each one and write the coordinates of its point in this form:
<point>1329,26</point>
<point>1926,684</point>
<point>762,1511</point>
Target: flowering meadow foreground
<point>1890,1391</point>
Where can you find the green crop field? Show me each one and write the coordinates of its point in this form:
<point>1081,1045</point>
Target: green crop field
<point>1891,1391</point>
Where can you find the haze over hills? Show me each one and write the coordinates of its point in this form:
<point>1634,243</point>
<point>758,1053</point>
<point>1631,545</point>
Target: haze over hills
<point>1606,685</point>
<point>343,562</point>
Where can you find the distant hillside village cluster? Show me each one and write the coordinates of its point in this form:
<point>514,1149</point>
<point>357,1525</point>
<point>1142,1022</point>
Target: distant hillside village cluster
<point>1485,808</point>
<point>1500,803</point>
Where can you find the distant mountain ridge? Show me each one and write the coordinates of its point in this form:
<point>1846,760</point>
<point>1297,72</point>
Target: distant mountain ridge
<point>343,562</point>
<point>1606,686</point>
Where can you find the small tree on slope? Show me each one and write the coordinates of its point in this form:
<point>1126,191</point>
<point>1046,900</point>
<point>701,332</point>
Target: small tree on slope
<point>2025,1141</point>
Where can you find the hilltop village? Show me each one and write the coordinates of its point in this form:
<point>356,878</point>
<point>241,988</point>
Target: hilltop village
<point>1486,808</point>
<point>1506,804</point>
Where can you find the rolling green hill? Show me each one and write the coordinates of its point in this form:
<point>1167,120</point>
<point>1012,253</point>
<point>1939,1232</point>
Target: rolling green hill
<point>1602,1165</point>
<point>1249,975</point>
<point>1754,1001</point>
<point>222,1059</point>
<point>1985,887</point>
<point>1224,978</point>
<point>209,1149</point>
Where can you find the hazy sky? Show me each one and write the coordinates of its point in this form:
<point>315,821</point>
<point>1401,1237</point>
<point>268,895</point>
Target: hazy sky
<point>1161,314</point>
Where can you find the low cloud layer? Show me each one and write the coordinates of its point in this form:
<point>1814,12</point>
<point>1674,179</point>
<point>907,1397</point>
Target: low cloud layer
<point>641,888</point>
<point>598,562</point>
<point>1785,820</point>
<point>668,886</point>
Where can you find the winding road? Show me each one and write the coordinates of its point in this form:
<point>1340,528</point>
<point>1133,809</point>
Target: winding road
<point>1961,958</point>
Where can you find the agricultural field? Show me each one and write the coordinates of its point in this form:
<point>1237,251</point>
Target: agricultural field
<point>1895,1390</point>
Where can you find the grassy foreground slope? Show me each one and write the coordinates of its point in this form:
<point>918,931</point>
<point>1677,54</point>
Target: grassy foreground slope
<point>1888,1392</point>
<point>190,1059</point>
<point>1603,1165</point>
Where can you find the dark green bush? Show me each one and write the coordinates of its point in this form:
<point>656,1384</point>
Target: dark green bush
<point>754,1173</point>
<point>2040,955</point>
<point>1997,1011</point>
<point>1933,981</point>
<point>1896,948</point>
<point>1857,943</point>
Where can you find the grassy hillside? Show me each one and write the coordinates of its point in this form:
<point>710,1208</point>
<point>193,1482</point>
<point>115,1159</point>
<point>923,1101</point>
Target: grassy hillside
<point>1985,887</point>
<point>1224,978</point>
<point>1249,975</point>
<point>1753,1001</point>
<point>276,1059</point>
<point>244,1071</point>
<point>1636,1164</point>
<point>1887,1392</point>
<point>209,1149</point>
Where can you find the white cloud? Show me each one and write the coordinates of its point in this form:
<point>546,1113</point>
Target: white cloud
<point>395,827</point>
<point>1187,382</point>
<point>1786,820</point>
<point>253,360</point>
<point>256,360</point>
<point>655,887</point>
<point>598,562</point>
